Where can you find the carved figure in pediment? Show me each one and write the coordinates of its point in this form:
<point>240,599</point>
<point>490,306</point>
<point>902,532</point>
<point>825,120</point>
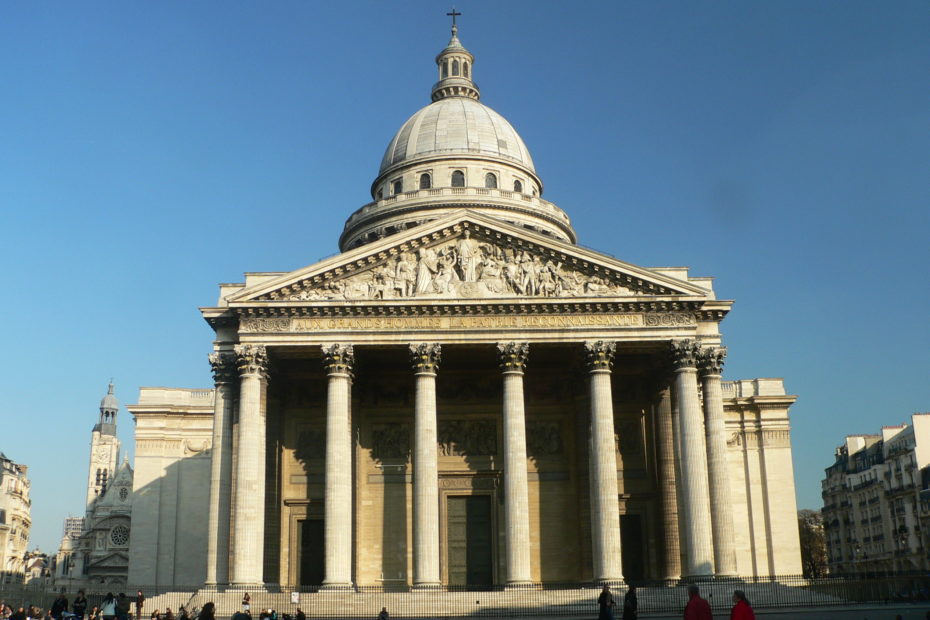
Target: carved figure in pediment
<point>467,257</point>
<point>427,268</point>
<point>405,275</point>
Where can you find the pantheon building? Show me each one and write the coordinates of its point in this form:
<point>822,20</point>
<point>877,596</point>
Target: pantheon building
<point>463,396</point>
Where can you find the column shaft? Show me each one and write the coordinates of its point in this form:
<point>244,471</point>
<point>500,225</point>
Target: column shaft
<point>425,359</point>
<point>665,456</point>
<point>699,553</point>
<point>218,527</point>
<point>248,559</point>
<point>337,525</point>
<point>718,466</point>
<point>605,506</point>
<point>512,357</point>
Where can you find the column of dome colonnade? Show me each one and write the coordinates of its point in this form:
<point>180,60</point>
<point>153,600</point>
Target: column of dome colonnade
<point>249,505</point>
<point>667,474</point>
<point>695,505</point>
<point>512,357</point>
<point>711,364</point>
<point>338,361</point>
<point>425,358</point>
<point>223,364</point>
<point>605,505</point>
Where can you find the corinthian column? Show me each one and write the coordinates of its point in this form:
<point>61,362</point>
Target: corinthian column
<point>224,377</point>
<point>338,360</point>
<point>665,457</point>
<point>721,509</point>
<point>248,558</point>
<point>605,507</point>
<point>699,550</point>
<point>512,359</point>
<point>425,359</point>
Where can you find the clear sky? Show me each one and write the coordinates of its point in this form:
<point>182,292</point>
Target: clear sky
<point>149,151</point>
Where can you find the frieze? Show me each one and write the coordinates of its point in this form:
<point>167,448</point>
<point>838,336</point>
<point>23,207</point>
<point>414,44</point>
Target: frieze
<point>390,441</point>
<point>506,321</point>
<point>467,437</point>
<point>467,482</point>
<point>543,438</point>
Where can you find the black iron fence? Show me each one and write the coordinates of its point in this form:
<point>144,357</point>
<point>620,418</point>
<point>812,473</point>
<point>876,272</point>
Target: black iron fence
<point>550,599</point>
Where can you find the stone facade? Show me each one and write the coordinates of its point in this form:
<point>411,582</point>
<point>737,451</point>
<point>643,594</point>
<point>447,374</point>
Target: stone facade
<point>876,501</point>
<point>464,396</point>
<point>15,519</point>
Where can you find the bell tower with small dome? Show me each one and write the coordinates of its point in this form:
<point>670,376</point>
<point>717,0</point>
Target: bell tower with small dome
<point>104,448</point>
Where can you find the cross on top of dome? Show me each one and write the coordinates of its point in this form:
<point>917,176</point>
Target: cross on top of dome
<point>455,69</point>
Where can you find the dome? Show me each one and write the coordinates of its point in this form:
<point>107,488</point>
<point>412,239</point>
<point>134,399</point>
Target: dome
<point>456,126</point>
<point>109,401</point>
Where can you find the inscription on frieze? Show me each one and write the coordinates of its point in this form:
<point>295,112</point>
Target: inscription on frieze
<point>508,321</point>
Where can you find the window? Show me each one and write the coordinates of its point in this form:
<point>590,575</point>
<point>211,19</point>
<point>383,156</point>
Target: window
<point>425,181</point>
<point>465,68</point>
<point>2,517</point>
<point>445,69</point>
<point>490,180</point>
<point>458,179</point>
<point>455,68</point>
<point>380,194</point>
<point>517,186</point>
<point>397,186</point>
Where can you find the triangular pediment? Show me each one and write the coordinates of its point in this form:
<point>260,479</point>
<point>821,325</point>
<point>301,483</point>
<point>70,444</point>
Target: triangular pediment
<point>111,560</point>
<point>467,256</point>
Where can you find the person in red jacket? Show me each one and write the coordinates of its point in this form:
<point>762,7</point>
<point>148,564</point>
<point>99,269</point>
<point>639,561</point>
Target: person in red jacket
<point>741,609</point>
<point>697,608</point>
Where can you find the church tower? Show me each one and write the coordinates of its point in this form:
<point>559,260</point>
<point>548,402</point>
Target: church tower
<point>104,449</point>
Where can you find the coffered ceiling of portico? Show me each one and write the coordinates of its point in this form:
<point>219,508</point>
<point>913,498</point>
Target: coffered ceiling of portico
<point>469,257</point>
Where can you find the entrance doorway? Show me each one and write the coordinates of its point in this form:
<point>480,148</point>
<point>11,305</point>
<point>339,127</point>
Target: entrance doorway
<point>310,544</point>
<point>631,545</point>
<point>469,539</point>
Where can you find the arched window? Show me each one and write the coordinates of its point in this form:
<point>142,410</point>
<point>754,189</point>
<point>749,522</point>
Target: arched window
<point>398,186</point>
<point>380,194</point>
<point>455,68</point>
<point>465,68</point>
<point>518,186</point>
<point>458,179</point>
<point>425,182</point>
<point>490,180</point>
<point>445,69</point>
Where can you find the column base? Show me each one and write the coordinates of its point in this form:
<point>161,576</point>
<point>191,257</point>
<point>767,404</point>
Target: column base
<point>520,585</point>
<point>337,587</point>
<point>727,577</point>
<point>426,587</point>
<point>610,581</point>
<point>240,585</point>
<point>696,578</point>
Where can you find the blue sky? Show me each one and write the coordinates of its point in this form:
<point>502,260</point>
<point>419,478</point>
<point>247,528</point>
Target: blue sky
<point>152,150</point>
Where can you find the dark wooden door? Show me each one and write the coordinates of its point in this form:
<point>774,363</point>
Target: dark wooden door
<point>632,548</point>
<point>310,544</point>
<point>469,537</point>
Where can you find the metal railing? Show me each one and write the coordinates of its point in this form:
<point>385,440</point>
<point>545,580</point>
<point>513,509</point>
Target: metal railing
<point>549,599</point>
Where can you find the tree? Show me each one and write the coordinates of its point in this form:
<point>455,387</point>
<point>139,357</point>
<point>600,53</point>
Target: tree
<point>813,543</point>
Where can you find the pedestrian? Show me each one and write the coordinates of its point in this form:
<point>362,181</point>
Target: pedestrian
<point>123,606</point>
<point>59,605</point>
<point>384,614</point>
<point>605,603</point>
<point>630,605</point>
<point>208,612</point>
<point>140,600</point>
<point>246,601</point>
<point>300,615</point>
<point>79,605</point>
<point>94,613</point>
<point>741,609</point>
<point>697,608</point>
<point>169,615</point>
<point>108,607</point>
<point>155,615</point>
<point>182,613</point>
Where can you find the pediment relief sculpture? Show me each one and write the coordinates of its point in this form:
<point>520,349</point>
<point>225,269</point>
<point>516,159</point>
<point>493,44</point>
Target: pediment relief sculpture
<point>463,267</point>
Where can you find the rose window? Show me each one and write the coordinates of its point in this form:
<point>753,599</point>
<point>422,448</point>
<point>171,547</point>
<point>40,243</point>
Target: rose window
<point>119,535</point>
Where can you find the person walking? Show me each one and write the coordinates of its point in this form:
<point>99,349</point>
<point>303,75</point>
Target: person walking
<point>630,605</point>
<point>697,608</point>
<point>140,601</point>
<point>741,609</point>
<point>605,604</point>
<point>79,605</point>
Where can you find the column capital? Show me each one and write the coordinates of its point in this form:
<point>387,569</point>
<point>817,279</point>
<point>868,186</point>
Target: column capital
<point>599,354</point>
<point>338,358</point>
<point>710,360</point>
<point>425,357</point>
<point>684,354</point>
<point>223,365</point>
<point>512,356</point>
<point>252,359</point>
